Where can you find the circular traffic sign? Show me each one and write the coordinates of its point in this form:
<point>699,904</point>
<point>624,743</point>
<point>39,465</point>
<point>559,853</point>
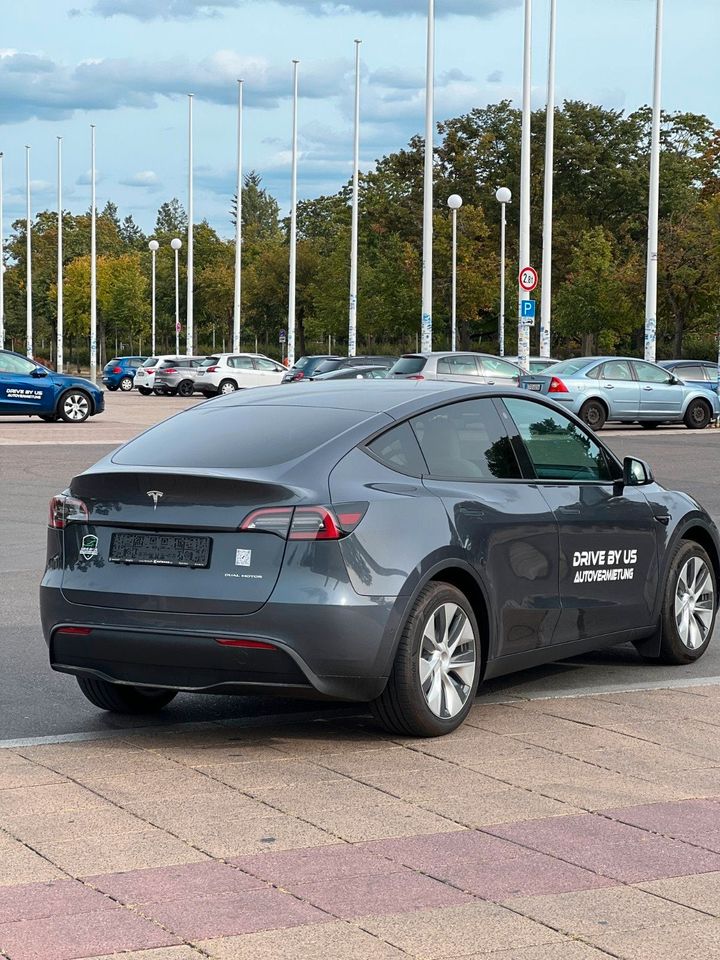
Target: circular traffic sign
<point>528,278</point>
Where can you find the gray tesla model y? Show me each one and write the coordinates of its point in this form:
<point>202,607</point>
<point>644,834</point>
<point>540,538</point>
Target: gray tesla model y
<point>386,542</point>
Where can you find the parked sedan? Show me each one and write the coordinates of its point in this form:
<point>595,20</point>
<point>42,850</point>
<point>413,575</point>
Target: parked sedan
<point>457,367</point>
<point>395,544</point>
<point>535,364</point>
<point>702,374</point>
<point>313,370</point>
<point>625,390</point>
<point>306,367</point>
<point>119,373</point>
<point>29,389</point>
<point>177,379</point>
<point>227,372</point>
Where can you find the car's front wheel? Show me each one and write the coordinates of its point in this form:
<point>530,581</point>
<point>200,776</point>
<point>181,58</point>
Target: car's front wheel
<point>118,698</point>
<point>437,666</point>
<point>689,605</point>
<point>593,414</point>
<point>75,406</point>
<point>126,384</point>
<point>698,415</point>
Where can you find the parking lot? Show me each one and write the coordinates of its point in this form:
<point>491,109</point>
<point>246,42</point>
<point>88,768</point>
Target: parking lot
<point>553,826</point>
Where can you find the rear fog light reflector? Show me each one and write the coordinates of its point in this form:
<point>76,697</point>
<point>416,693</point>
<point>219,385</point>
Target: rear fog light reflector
<point>245,644</point>
<point>76,631</point>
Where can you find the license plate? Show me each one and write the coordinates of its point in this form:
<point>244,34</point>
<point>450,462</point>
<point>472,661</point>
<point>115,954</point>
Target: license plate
<point>537,387</point>
<point>160,550</point>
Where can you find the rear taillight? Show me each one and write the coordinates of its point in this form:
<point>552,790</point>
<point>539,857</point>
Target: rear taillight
<point>117,370</point>
<point>245,644</point>
<point>213,369</point>
<point>557,386</point>
<point>306,523</point>
<point>171,370</point>
<point>65,510</point>
<point>416,376</point>
<point>298,375</point>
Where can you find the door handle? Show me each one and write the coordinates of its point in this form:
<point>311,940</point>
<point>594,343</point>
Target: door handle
<point>491,383</point>
<point>608,386</point>
<point>647,388</point>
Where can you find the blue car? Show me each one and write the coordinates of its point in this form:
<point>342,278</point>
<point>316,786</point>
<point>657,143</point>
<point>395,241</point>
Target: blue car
<point>29,389</point>
<point>119,373</point>
<point>702,374</point>
<point>625,390</point>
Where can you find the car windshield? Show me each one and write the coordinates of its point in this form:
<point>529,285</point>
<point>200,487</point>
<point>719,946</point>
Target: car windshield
<point>238,437</point>
<point>566,367</point>
<point>408,365</point>
<point>210,361</point>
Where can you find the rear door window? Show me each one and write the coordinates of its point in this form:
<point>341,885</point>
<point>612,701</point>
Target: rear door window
<point>466,441</point>
<point>617,370</point>
<point>458,366</point>
<point>241,363</point>
<point>690,373</point>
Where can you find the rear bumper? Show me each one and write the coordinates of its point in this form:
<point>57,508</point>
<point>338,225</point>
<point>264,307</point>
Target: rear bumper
<point>337,649</point>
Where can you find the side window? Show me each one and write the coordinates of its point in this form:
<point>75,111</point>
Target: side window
<point>491,366</point>
<point>466,441</point>
<point>459,366</point>
<point>9,363</point>
<point>649,373</point>
<point>241,363</point>
<point>262,364</point>
<point>690,373</point>
<point>558,448</point>
<point>399,450</point>
<point>616,370</point>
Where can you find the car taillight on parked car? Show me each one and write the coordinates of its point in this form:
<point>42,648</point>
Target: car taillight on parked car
<point>170,370</point>
<point>416,376</point>
<point>306,523</point>
<point>117,370</point>
<point>557,386</point>
<point>65,510</point>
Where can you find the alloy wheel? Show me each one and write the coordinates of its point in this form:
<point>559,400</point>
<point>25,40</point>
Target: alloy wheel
<point>447,662</point>
<point>76,406</point>
<point>694,603</point>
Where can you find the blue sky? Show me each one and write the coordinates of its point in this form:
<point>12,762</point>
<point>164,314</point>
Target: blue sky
<point>125,65</point>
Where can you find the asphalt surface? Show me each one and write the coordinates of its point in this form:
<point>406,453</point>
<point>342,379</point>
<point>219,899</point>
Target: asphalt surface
<point>36,702</point>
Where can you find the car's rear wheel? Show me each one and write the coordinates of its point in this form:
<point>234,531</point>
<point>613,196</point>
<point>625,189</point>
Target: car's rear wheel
<point>227,386</point>
<point>698,415</point>
<point>689,605</point>
<point>126,384</point>
<point>118,698</point>
<point>75,406</point>
<point>185,388</point>
<point>593,414</point>
<point>145,391</point>
<point>437,666</point>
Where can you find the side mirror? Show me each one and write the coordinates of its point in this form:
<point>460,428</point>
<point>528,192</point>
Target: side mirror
<point>636,473</point>
<point>39,372</point>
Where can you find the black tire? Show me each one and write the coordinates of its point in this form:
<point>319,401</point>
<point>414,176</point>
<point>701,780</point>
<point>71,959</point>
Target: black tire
<point>185,388</point>
<point>118,698</point>
<point>403,707</point>
<point>74,406</point>
<point>593,414</point>
<point>126,384</point>
<point>650,424</point>
<point>673,648</point>
<point>49,417</point>
<point>209,394</point>
<point>145,391</point>
<point>111,389</point>
<point>226,387</point>
<point>698,414</point>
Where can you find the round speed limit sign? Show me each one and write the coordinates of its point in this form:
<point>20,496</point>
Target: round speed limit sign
<point>528,278</point>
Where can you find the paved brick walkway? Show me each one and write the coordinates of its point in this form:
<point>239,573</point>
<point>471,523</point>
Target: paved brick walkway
<point>543,830</point>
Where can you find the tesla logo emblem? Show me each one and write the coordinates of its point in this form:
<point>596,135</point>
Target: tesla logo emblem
<point>156,496</point>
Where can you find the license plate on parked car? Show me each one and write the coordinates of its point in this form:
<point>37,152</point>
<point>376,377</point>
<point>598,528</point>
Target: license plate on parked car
<point>162,550</point>
<point>537,387</point>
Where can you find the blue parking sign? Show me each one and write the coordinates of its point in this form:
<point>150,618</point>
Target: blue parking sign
<point>527,309</point>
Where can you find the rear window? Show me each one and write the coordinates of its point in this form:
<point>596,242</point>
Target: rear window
<point>566,367</point>
<point>151,362</point>
<point>409,365</point>
<point>237,437</point>
<point>210,362</point>
<point>327,365</point>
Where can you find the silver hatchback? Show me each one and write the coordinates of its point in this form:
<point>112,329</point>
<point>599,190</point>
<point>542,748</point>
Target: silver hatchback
<point>178,379</point>
<point>461,367</point>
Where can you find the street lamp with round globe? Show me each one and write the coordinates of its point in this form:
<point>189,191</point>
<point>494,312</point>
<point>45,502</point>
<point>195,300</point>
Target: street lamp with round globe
<point>454,202</point>
<point>153,247</point>
<point>176,244</point>
<point>503,197</point>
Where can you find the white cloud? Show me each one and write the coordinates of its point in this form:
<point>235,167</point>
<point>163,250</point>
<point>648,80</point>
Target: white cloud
<point>147,179</point>
<point>194,9</point>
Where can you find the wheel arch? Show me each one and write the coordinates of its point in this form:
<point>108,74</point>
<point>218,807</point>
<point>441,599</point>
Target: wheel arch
<point>598,398</point>
<point>700,535</point>
<point>80,389</point>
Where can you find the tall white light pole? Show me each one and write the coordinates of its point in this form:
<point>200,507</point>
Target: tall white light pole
<point>523,328</point>
<point>352,326</point>
<point>59,350</point>
<point>654,205</point>
<point>546,292</point>
<point>189,321</point>
<point>427,264</point>
<point>238,226</point>
<point>28,257</point>
<point>293,222</point>
<point>454,202</point>
<point>2,260</point>
<point>176,244</point>
<point>153,247</point>
<point>93,260</point>
<point>503,197</point>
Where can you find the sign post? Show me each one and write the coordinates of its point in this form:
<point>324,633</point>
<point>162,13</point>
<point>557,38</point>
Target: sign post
<point>283,341</point>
